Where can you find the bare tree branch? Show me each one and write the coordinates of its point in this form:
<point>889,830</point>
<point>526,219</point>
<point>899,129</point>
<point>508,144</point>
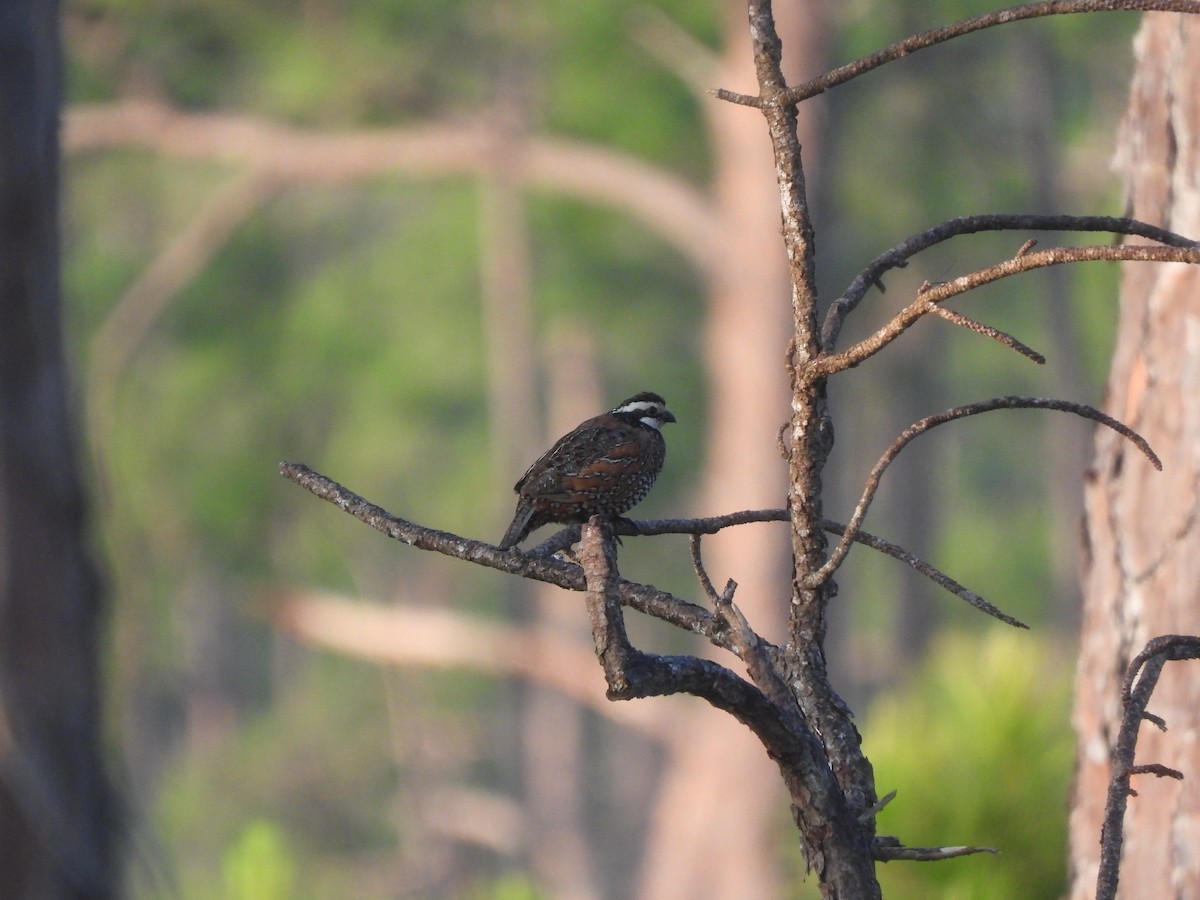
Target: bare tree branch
<point>441,638</point>
<point>713,524</point>
<point>760,662</point>
<point>897,257</point>
<point>783,731</point>
<point>643,598</point>
<point>920,427</point>
<point>701,573</point>
<point>935,575</point>
<point>1140,681</point>
<point>541,566</point>
<point>681,213</point>
<point>887,852</point>
<point>931,295</point>
<point>995,334</point>
<point>936,36</point>
<point>631,673</point>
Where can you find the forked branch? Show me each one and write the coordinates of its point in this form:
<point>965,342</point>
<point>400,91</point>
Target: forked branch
<point>713,524</point>
<point>632,673</point>
<point>897,257</point>
<point>540,564</point>
<point>932,294</point>
<point>1140,682</point>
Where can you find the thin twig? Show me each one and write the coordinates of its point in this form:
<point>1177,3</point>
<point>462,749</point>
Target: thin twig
<point>1157,769</point>
<point>935,575</point>
<point>936,36</point>
<point>827,365</point>
<point>920,427</point>
<point>563,539</point>
<point>885,851</point>
<point>995,334</point>
<point>1140,681</point>
<point>873,811</point>
<point>701,572</point>
<point>897,257</point>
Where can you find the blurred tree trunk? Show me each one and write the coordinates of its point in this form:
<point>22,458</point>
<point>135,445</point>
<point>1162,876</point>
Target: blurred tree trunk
<point>55,805</point>
<point>1141,572</point>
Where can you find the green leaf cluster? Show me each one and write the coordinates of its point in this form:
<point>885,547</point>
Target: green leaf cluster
<point>978,745</point>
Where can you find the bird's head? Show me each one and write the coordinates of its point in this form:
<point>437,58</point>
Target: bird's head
<point>648,408</point>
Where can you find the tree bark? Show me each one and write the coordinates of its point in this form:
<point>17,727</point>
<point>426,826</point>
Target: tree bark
<point>1141,574</point>
<point>55,804</point>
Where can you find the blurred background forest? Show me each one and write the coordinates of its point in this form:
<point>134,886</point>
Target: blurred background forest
<point>408,242</point>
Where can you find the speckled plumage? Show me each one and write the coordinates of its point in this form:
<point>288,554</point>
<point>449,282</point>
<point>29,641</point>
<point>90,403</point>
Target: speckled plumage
<point>604,466</point>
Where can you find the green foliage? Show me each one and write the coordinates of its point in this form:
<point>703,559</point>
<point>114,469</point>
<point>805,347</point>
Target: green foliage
<point>260,865</point>
<point>507,887</point>
<point>293,801</point>
<point>978,747</point>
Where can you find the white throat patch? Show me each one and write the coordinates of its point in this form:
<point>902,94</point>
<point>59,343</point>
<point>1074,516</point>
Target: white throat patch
<point>646,406</point>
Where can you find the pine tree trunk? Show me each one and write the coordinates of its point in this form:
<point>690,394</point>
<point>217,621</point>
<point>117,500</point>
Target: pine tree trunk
<point>1141,568</point>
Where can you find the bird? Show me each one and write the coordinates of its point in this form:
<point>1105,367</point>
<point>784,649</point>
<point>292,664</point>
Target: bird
<point>604,466</point>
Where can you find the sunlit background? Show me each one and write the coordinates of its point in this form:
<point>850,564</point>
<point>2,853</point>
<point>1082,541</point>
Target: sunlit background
<point>408,243</point>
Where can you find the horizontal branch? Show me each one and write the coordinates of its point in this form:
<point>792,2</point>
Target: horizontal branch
<point>540,565</point>
<point>930,295</point>
<point>931,38</point>
<point>679,212</point>
<point>923,425</point>
<point>884,851</point>
<point>428,638</point>
<point>897,257</point>
<point>713,524</point>
<point>644,598</point>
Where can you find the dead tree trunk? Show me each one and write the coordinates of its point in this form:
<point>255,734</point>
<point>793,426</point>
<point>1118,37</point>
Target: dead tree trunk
<point>1141,572</point>
<point>55,805</point>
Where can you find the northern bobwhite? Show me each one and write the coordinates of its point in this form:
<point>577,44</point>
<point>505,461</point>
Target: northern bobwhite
<point>604,466</point>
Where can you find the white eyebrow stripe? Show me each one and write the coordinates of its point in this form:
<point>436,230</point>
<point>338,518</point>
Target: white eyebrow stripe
<point>641,406</point>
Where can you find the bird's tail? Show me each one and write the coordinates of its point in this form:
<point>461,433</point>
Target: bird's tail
<point>519,527</point>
